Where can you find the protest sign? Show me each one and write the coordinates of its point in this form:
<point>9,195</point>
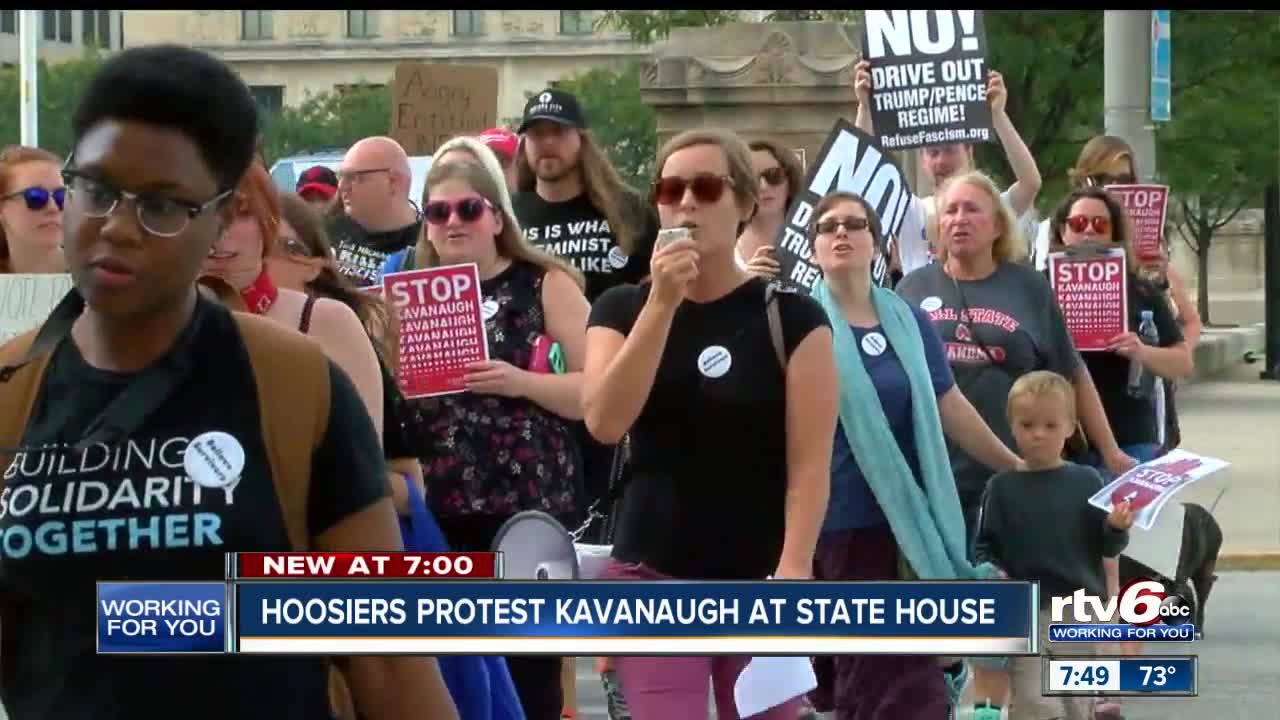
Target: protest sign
<point>1092,290</point>
<point>432,103</point>
<point>928,77</point>
<point>849,160</point>
<point>1146,206</point>
<point>1149,486</point>
<point>26,300</point>
<point>441,327</point>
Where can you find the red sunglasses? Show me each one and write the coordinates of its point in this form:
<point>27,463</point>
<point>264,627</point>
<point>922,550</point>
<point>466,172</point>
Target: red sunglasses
<point>469,210</point>
<point>707,188</point>
<point>1078,224</point>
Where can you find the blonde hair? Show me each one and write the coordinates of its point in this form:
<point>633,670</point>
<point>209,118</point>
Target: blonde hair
<point>510,240</point>
<point>10,158</point>
<point>1097,154</point>
<point>1008,245</point>
<point>604,186</point>
<point>1043,383</point>
<point>742,175</point>
<point>485,156</point>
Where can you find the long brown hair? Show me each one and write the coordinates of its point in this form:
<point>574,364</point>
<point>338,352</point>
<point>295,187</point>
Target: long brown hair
<point>605,189</point>
<point>10,158</point>
<point>376,315</point>
<point>510,241</point>
<point>257,197</point>
<point>789,162</point>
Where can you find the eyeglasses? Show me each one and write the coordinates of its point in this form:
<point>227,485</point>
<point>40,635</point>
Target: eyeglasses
<point>37,198</point>
<point>469,210</point>
<point>295,247</point>
<point>1102,179</point>
<point>774,176</point>
<point>707,188</point>
<point>1079,223</point>
<point>351,176</point>
<point>159,214</point>
<point>850,223</point>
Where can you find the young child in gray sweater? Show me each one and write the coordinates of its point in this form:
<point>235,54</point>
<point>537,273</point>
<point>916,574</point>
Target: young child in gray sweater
<point>1037,524</point>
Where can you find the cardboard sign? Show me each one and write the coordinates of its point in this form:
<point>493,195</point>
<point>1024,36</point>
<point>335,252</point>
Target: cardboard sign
<point>1092,291</point>
<point>432,103</point>
<point>1147,206</point>
<point>1148,487</point>
<point>441,328</point>
<point>928,77</point>
<point>26,300</point>
<point>853,161</point>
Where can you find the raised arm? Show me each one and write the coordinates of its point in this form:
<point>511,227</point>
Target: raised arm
<point>1027,184</point>
<point>862,91</point>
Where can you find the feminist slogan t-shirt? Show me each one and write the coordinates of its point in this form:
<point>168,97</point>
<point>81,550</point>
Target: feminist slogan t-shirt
<point>360,254</point>
<point>579,233</point>
<point>130,511</point>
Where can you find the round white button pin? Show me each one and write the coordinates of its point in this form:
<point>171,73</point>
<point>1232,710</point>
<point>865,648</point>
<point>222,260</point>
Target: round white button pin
<point>715,361</point>
<point>214,460</point>
<point>617,258</point>
<point>874,344</point>
<point>933,303</point>
<point>488,308</point>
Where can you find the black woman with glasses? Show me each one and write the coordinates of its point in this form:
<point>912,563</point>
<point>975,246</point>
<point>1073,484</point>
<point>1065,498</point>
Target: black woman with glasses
<point>31,199</point>
<point>728,390</point>
<point>136,364</point>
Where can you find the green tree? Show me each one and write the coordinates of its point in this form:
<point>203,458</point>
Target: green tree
<point>1219,151</point>
<point>58,89</point>
<point>335,118</point>
<point>622,124</point>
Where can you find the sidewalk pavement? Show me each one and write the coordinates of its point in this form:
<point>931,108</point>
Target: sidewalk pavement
<point>1235,416</point>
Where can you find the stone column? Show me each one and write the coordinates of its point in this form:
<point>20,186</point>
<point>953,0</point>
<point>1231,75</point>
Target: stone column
<point>788,81</point>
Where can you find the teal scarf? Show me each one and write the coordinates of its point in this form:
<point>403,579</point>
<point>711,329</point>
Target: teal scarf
<point>927,524</point>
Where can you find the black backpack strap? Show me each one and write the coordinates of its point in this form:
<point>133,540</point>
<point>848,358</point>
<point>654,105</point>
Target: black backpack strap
<point>775,325</point>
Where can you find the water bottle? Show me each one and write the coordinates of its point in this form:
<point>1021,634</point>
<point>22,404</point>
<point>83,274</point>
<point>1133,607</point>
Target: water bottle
<point>1141,382</point>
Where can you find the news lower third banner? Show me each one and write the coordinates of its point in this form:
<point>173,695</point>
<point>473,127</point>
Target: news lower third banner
<point>569,618</point>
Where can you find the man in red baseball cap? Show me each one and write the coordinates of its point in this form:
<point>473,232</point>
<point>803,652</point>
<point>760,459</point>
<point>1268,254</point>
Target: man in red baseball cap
<point>317,185</point>
<point>505,144</point>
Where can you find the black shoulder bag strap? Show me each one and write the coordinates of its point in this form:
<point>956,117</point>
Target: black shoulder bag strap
<point>603,508</point>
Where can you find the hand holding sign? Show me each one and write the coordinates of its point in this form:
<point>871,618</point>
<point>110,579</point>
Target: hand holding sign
<point>496,377</point>
<point>1121,516</point>
<point>763,263</point>
<point>997,95</point>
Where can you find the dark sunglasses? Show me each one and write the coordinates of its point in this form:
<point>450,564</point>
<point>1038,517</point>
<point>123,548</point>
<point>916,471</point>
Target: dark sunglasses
<point>37,197</point>
<point>470,209</point>
<point>852,224</point>
<point>1103,180</point>
<point>774,176</point>
<point>707,188</point>
<point>1078,224</point>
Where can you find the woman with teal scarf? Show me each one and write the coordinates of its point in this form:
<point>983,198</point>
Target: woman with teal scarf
<point>894,512</point>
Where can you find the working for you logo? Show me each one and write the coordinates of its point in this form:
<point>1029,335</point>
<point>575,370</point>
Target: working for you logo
<point>1143,611</point>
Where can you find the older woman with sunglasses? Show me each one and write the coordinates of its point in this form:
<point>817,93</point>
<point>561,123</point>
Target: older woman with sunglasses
<point>780,179</point>
<point>730,421</point>
<point>1090,216</point>
<point>31,197</point>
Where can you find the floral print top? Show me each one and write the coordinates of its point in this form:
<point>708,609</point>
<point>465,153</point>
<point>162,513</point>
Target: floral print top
<point>494,455</point>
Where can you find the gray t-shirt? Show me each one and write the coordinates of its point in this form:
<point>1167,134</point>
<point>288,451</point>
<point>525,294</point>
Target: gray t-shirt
<point>1013,313</point>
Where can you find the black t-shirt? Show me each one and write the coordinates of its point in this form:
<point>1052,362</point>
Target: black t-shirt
<point>360,254</point>
<point>68,519</point>
<point>707,493</point>
<point>578,232</point>
<point>1133,419</point>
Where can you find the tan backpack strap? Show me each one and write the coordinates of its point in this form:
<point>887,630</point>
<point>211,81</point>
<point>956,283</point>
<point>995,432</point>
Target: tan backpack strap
<point>292,376</point>
<point>18,394</point>
<point>775,328</point>
<point>216,288</point>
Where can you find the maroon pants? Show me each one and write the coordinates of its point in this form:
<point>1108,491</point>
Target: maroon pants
<point>868,687</point>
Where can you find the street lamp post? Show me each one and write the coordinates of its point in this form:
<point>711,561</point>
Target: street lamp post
<point>29,40</point>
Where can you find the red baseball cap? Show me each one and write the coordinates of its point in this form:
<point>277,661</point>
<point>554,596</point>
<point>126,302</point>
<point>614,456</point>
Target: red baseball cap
<point>501,141</point>
<point>318,180</point>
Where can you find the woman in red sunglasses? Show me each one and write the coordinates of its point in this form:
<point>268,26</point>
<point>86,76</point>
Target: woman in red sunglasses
<point>1092,216</point>
<point>731,423</point>
<point>31,197</point>
<point>508,444</point>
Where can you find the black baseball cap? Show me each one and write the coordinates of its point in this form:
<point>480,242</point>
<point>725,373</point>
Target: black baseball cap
<point>555,105</point>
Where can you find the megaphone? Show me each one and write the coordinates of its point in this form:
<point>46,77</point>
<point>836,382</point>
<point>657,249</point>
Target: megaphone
<point>535,546</point>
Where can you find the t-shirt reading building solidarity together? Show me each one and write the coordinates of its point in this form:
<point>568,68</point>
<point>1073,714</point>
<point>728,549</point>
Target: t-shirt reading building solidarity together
<point>995,330</point>
<point>576,231</point>
<point>707,494</point>
<point>360,254</point>
<point>71,518</point>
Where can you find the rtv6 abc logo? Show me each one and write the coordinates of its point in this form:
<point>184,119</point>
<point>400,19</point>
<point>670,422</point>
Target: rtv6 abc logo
<point>1141,603</point>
